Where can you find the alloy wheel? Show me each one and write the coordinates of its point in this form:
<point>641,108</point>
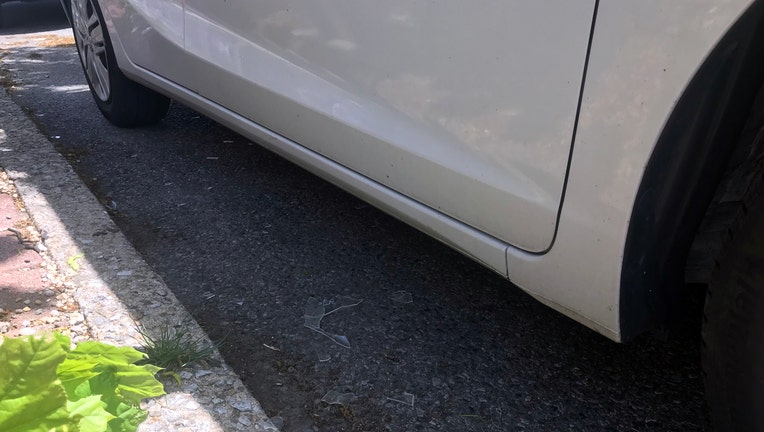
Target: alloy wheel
<point>91,44</point>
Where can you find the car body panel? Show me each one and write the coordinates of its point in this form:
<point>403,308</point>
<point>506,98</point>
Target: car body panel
<point>151,34</point>
<point>643,55</point>
<point>469,241</point>
<point>469,120</point>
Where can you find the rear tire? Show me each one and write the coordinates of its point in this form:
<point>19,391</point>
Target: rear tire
<point>122,101</point>
<point>733,327</point>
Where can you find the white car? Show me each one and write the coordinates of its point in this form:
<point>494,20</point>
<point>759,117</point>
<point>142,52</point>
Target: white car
<point>598,154</point>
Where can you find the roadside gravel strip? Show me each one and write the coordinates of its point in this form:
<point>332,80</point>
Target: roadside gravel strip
<point>114,287</point>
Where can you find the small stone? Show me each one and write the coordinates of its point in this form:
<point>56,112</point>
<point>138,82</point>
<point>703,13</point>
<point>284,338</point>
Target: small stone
<point>26,309</point>
<point>76,318</point>
<point>55,313</point>
<point>18,300</point>
<point>241,405</point>
<point>201,373</point>
<point>155,411</point>
<point>26,331</point>
<point>26,302</point>
<point>277,422</point>
<point>49,293</point>
<point>245,420</point>
<point>38,311</point>
<point>192,405</point>
<point>4,326</point>
<point>38,302</point>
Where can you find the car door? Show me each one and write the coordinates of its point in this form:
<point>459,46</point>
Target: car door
<point>151,34</point>
<point>466,107</point>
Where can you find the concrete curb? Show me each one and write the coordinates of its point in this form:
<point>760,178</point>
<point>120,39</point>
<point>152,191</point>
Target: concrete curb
<point>115,288</point>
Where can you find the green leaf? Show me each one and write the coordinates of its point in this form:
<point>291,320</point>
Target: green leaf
<point>74,373</point>
<point>91,414</point>
<point>72,261</point>
<point>63,340</point>
<point>105,354</point>
<point>31,397</point>
<point>138,382</point>
<point>90,359</point>
<point>104,385</point>
<point>127,418</point>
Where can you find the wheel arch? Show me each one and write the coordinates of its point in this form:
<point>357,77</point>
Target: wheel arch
<point>683,171</point>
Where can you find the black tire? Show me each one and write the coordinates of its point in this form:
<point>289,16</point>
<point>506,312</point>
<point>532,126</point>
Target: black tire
<point>733,327</point>
<point>126,103</point>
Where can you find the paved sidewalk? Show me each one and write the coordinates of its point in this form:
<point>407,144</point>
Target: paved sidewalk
<point>34,296</point>
<point>49,220</point>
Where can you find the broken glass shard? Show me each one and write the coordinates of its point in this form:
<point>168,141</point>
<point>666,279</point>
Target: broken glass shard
<point>402,297</point>
<point>338,339</point>
<point>322,352</point>
<point>343,302</point>
<point>314,307</point>
<point>404,398</point>
<point>314,312</point>
<point>333,397</point>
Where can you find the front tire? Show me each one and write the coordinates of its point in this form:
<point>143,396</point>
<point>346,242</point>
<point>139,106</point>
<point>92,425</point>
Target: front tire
<point>122,101</point>
<point>733,327</point>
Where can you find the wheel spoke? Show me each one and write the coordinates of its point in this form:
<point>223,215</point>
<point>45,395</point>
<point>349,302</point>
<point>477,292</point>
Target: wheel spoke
<point>94,76</point>
<point>96,38</point>
<point>99,49</point>
<point>103,76</point>
<point>82,12</point>
<point>79,22</point>
<point>93,21</point>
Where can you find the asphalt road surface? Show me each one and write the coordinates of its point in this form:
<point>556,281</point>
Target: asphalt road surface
<point>249,242</point>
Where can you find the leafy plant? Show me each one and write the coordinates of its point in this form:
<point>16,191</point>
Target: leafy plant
<point>174,347</point>
<point>46,386</point>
